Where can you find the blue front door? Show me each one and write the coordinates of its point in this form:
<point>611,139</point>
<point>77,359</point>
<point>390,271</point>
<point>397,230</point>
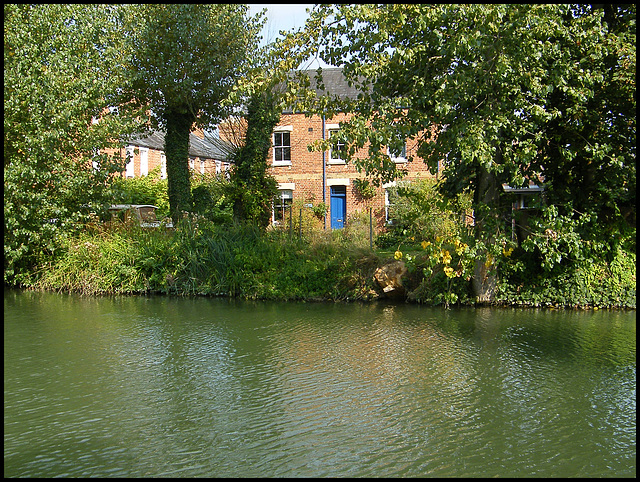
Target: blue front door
<point>338,206</point>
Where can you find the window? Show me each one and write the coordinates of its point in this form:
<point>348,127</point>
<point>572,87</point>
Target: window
<point>281,206</point>
<point>144,161</point>
<point>335,155</point>
<point>201,166</point>
<point>129,155</point>
<point>282,148</point>
<point>163,166</point>
<point>398,156</point>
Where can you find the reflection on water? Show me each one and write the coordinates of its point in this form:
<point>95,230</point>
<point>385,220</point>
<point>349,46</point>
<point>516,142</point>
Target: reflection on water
<point>211,387</point>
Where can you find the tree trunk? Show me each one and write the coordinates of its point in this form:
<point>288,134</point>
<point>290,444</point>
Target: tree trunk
<point>486,215</point>
<point>176,148</point>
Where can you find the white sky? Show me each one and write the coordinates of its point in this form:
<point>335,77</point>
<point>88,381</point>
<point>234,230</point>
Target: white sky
<point>282,16</point>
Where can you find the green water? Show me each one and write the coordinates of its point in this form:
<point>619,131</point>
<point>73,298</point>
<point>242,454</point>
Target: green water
<point>166,387</point>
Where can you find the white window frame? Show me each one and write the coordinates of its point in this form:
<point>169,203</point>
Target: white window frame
<point>285,192</point>
<point>402,158</point>
<point>281,130</point>
<point>331,130</point>
<point>130,167</point>
<point>163,166</point>
<point>144,161</point>
<point>387,204</point>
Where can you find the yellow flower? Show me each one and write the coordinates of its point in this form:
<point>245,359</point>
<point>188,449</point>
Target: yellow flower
<point>397,255</point>
<point>448,270</point>
<point>438,239</point>
<point>446,257</point>
<point>425,244</point>
<point>507,252</point>
<point>489,261</point>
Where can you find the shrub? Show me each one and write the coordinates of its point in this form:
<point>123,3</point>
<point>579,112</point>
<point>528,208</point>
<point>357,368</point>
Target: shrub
<point>418,211</point>
<point>143,190</point>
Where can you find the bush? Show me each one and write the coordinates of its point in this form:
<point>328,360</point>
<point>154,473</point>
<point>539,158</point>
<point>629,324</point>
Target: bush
<point>211,198</point>
<point>143,190</point>
<point>418,211</point>
<point>200,257</point>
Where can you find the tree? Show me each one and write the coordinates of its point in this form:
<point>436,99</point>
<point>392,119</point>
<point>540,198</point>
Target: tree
<point>64,66</point>
<point>253,189</point>
<point>186,60</point>
<point>497,93</point>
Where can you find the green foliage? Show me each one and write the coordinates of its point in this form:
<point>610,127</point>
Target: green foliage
<point>446,265</point>
<point>556,238</point>
<point>185,61</point>
<point>364,188</point>
<point>203,258</point>
<point>176,147</point>
<point>211,198</point>
<point>143,190</point>
<point>252,189</point>
<point>210,194</point>
<point>239,259</point>
<point>63,69</point>
<point>417,210</point>
<point>523,90</point>
<point>593,283</point>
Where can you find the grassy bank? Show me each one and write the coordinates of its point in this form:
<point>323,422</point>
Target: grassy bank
<point>208,259</point>
<point>241,261</point>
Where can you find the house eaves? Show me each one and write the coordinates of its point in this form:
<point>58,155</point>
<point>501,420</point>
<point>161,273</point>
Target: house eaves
<point>216,149</point>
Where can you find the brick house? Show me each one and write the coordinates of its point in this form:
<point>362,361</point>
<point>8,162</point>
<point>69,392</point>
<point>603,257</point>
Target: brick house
<point>322,177</point>
<point>309,177</point>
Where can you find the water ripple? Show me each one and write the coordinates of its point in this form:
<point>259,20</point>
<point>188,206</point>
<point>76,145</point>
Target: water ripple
<point>251,390</point>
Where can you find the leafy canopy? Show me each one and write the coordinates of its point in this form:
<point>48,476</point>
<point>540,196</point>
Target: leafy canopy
<point>523,92</point>
<point>65,65</point>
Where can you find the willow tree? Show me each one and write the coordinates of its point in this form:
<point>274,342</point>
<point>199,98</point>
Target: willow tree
<point>186,60</point>
<point>493,94</point>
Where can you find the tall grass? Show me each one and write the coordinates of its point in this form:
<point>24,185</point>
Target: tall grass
<point>202,258</point>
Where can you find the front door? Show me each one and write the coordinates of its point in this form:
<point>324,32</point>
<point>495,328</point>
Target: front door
<point>338,206</point>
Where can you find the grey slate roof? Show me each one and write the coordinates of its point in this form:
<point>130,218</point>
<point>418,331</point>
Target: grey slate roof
<point>333,83</point>
<point>203,148</point>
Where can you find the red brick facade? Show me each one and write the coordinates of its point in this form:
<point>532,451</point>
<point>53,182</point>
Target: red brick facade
<point>304,175</point>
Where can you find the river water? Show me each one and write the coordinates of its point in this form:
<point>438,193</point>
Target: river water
<point>165,387</point>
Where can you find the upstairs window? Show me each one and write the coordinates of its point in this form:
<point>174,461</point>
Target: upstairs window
<point>281,148</point>
<point>336,154</point>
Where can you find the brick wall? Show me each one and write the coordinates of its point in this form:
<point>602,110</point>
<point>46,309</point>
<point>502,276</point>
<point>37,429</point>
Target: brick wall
<point>304,173</point>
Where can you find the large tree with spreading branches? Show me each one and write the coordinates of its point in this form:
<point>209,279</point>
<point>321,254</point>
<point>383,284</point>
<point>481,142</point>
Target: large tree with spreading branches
<point>494,94</point>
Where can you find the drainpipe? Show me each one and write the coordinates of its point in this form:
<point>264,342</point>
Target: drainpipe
<point>324,174</point>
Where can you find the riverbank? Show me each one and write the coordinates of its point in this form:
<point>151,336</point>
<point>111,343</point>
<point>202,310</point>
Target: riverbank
<point>244,262</point>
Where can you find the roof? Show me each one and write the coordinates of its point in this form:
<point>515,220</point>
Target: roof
<point>211,148</point>
<point>333,83</point>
